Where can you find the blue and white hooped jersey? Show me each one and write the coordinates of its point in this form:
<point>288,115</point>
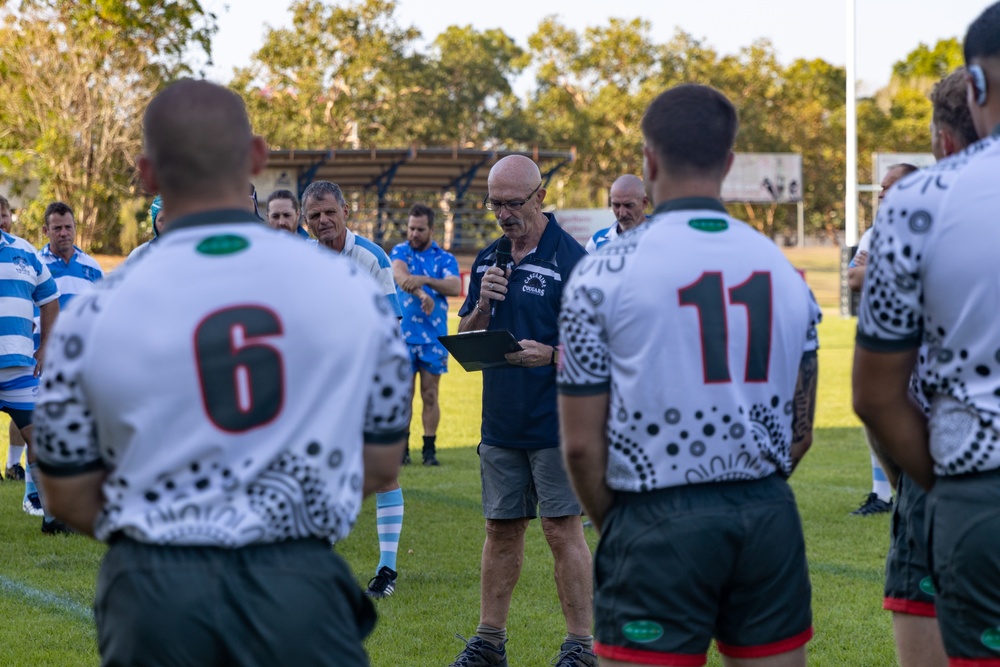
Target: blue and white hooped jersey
<point>73,277</point>
<point>25,283</point>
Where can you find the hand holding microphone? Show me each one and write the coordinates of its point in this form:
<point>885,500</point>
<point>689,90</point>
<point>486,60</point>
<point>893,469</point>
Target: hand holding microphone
<point>495,279</point>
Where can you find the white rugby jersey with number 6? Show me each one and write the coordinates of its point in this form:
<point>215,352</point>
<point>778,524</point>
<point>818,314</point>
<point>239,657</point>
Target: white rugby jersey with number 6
<point>227,382</point>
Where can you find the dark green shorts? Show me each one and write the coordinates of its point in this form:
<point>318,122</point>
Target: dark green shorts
<point>291,603</point>
<point>679,566</point>
<point>908,585</point>
<point>964,543</point>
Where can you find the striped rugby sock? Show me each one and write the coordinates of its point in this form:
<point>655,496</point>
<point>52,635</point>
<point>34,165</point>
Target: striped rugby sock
<point>880,483</point>
<point>389,515</point>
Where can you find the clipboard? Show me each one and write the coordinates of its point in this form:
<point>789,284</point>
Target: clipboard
<point>481,349</point>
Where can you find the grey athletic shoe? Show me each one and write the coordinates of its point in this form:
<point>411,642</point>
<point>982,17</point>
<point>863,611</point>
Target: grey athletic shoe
<point>572,654</point>
<point>478,653</point>
<point>15,472</point>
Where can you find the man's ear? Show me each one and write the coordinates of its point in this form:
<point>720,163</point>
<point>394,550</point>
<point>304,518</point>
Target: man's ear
<point>650,164</point>
<point>729,163</point>
<point>948,142</point>
<point>258,155</point>
<point>147,175</point>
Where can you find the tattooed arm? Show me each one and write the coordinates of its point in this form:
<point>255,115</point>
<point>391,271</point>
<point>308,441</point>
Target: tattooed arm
<point>804,406</point>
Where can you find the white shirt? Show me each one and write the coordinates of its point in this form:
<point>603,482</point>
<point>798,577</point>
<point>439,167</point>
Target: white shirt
<point>227,383</point>
<point>696,324</point>
<point>933,282</point>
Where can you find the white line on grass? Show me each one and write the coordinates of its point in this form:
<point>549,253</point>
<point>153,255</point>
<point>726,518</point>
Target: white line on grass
<point>17,589</point>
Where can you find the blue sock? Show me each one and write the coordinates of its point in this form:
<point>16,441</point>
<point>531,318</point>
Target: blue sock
<point>29,483</point>
<point>389,514</point>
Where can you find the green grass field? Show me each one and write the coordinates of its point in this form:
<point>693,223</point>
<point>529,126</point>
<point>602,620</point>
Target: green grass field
<point>47,583</point>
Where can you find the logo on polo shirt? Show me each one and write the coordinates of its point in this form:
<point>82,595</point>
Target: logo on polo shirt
<point>21,266</point>
<point>535,284</point>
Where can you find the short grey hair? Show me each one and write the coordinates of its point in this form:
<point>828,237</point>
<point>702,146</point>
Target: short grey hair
<point>321,190</point>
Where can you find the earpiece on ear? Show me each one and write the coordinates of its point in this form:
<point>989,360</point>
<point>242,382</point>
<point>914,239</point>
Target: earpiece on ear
<point>978,84</point>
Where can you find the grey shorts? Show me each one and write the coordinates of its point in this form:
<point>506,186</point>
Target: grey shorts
<point>290,603</point>
<point>520,483</point>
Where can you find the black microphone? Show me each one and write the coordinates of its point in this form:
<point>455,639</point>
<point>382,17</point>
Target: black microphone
<point>503,260</point>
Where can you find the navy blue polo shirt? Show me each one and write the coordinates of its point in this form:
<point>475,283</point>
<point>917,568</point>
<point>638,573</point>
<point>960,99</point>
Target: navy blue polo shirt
<point>519,404</point>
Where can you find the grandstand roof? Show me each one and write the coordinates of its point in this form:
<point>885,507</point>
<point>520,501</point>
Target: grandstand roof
<point>458,169</point>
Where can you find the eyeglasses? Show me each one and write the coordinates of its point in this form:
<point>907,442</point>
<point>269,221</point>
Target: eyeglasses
<point>512,206</point>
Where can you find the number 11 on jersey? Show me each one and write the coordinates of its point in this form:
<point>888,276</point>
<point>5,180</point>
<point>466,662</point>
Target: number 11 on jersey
<point>708,295</point>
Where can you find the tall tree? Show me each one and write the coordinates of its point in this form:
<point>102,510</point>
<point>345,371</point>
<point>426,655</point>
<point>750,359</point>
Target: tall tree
<point>470,99</point>
<point>341,76</point>
<point>75,76</point>
<point>590,94</point>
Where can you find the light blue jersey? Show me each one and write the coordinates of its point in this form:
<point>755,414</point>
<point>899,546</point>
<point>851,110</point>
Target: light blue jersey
<point>25,282</point>
<point>372,259</point>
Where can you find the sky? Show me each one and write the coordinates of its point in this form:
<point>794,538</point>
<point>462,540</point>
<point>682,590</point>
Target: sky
<point>886,30</point>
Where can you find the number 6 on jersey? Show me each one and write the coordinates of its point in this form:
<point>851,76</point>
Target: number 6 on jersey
<point>242,385</point>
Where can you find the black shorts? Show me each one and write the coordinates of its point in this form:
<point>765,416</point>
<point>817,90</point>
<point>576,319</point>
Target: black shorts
<point>289,603</point>
<point>909,588</point>
<point>964,544</point>
<point>679,566</point>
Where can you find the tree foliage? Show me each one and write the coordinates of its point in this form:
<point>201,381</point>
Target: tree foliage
<point>76,76</point>
<point>350,75</point>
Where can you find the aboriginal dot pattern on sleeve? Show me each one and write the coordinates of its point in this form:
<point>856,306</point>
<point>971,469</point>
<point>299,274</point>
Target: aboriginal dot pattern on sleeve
<point>174,475</point>
<point>667,426</point>
<point>928,285</point>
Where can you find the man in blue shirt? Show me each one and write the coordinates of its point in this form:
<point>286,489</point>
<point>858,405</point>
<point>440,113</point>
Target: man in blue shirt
<point>71,268</point>
<point>628,203</point>
<point>25,283</point>
<point>326,211</point>
<point>283,213</point>
<point>425,276</point>
<point>520,462</point>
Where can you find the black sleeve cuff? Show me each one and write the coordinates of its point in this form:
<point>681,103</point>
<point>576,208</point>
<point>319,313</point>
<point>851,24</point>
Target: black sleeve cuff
<point>385,437</point>
<point>873,344</point>
<point>585,389</point>
<point>69,470</point>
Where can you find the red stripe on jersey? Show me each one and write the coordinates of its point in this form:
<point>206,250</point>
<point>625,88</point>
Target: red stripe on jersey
<point>973,662</point>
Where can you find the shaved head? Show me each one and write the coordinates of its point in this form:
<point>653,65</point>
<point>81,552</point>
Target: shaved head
<point>515,197</point>
<point>197,140</point>
<point>628,186</point>
<point>629,201</point>
<point>515,170</point>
